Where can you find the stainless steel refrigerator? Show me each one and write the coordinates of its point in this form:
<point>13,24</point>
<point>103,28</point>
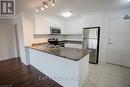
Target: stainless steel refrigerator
<point>91,36</point>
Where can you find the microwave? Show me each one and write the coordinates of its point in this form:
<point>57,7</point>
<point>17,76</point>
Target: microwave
<point>55,30</point>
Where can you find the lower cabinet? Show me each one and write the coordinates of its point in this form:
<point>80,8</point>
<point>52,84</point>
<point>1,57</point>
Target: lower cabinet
<point>66,72</point>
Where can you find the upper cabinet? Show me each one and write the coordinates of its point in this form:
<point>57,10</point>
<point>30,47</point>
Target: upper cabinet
<point>43,24</point>
<point>73,26</point>
<point>76,26</point>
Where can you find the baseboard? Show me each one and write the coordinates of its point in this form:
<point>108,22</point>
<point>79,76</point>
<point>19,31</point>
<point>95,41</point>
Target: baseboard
<point>9,58</point>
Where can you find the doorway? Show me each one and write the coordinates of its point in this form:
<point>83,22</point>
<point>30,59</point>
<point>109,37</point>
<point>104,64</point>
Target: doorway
<point>118,47</point>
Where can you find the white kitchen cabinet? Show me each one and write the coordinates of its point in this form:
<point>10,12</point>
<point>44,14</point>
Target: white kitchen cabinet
<point>74,26</point>
<point>71,45</point>
<point>43,24</point>
<point>51,66</point>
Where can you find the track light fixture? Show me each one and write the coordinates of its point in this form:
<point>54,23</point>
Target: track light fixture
<point>37,10</point>
<point>42,8</point>
<point>45,5</point>
<point>53,3</point>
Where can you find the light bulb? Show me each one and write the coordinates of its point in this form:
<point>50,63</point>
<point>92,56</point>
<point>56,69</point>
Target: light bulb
<point>42,8</point>
<point>37,10</point>
<point>53,4</point>
<point>46,6</point>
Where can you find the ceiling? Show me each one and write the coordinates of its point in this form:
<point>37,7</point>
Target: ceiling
<point>78,7</point>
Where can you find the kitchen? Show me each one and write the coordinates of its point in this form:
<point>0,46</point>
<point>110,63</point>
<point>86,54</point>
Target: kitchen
<point>38,35</point>
<point>67,53</point>
<point>57,45</point>
<point>90,43</point>
<point>42,33</point>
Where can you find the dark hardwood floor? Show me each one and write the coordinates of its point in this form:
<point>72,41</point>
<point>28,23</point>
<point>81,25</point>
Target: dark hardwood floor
<point>13,73</point>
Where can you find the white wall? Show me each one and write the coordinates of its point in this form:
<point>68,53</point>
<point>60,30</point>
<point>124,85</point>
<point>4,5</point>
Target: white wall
<point>7,39</point>
<point>27,30</point>
<point>118,16</point>
<point>22,51</point>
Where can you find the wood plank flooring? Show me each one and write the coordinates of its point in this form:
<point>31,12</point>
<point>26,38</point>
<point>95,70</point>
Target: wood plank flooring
<point>13,73</point>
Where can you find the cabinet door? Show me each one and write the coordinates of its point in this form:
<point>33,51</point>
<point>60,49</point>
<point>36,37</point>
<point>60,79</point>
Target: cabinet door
<point>79,46</point>
<point>74,27</point>
<point>41,26</point>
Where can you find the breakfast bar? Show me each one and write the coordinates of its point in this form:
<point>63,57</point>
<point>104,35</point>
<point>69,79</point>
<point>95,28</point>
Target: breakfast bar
<point>67,66</point>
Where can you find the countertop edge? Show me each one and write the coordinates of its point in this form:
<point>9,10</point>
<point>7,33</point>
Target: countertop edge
<point>57,55</point>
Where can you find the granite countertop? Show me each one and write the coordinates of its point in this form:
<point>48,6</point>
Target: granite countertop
<point>65,52</point>
<point>72,41</point>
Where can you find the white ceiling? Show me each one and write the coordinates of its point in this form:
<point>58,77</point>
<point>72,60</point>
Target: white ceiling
<point>78,7</point>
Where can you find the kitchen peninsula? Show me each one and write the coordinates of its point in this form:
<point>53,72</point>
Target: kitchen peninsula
<point>67,66</point>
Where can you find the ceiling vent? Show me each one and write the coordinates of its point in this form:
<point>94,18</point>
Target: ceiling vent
<point>127,17</point>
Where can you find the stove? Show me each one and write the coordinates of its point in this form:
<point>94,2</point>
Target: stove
<point>53,46</point>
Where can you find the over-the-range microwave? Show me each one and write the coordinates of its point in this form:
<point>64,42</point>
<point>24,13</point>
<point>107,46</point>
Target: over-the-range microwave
<point>55,30</point>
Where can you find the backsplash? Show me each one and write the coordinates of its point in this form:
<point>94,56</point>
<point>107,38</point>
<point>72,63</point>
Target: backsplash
<point>74,37</point>
<point>44,38</point>
<point>60,37</point>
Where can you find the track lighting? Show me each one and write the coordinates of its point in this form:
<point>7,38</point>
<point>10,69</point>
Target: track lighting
<point>37,10</point>
<point>53,3</point>
<point>45,4</point>
<point>42,8</point>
